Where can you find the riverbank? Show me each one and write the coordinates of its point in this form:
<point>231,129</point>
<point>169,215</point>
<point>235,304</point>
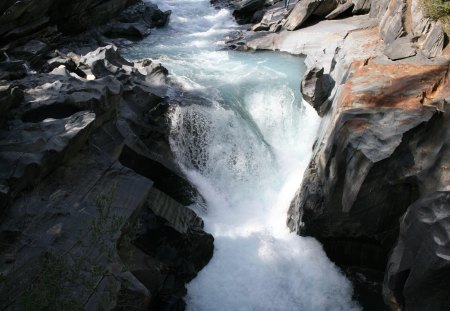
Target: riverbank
<point>380,81</point>
<point>93,204</point>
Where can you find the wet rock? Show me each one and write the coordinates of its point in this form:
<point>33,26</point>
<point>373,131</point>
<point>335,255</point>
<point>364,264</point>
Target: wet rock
<point>300,13</point>
<point>316,88</point>
<point>419,266</point>
<point>400,49</point>
<point>341,9</point>
<point>434,42</point>
<point>246,9</point>
<point>391,25</point>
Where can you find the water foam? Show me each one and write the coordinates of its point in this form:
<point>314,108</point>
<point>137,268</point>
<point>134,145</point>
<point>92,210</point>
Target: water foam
<point>245,150</point>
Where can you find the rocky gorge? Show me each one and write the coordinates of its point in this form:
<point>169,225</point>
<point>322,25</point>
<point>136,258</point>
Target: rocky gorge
<point>94,206</point>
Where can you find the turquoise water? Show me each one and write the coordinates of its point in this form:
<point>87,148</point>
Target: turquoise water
<point>243,136</point>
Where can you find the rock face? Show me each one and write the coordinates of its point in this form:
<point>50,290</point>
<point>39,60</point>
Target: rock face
<point>93,205</point>
<point>316,88</point>
<point>419,266</point>
<point>246,9</point>
<point>53,18</point>
<point>301,12</point>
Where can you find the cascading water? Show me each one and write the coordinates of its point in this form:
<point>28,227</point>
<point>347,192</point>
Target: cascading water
<point>245,146</point>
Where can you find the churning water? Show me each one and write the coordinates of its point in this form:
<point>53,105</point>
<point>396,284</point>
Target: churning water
<point>245,146</point>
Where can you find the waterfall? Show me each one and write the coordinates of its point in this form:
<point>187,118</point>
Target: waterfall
<point>245,145</point>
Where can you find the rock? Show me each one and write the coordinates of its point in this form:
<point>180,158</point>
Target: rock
<point>341,9</point>
<point>147,12</point>
<point>361,6</point>
<point>31,49</point>
<point>245,10</point>
<point>12,70</point>
<point>326,7</point>
<point>260,27</point>
<point>379,8</point>
<point>400,49</point>
<point>10,97</point>
<point>316,88</point>
<point>172,236</point>
<point>421,25</point>
<point>434,42</point>
<point>273,16</point>
<point>391,25</point>
<point>131,31</point>
<point>373,165</point>
<point>300,13</point>
<point>419,266</point>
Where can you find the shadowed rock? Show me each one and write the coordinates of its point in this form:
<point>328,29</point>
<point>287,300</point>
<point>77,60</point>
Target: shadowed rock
<point>419,267</point>
<point>316,88</point>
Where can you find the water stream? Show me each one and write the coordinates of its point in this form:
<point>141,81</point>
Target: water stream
<point>245,147</point>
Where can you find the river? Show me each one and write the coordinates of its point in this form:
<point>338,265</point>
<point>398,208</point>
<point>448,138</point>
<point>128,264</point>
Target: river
<point>245,146</point>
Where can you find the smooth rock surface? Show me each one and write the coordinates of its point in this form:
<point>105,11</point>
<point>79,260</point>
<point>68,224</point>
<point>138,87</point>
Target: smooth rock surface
<point>300,13</point>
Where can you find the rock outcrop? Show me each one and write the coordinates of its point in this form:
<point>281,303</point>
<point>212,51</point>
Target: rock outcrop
<point>93,206</point>
<point>418,268</point>
<point>381,83</point>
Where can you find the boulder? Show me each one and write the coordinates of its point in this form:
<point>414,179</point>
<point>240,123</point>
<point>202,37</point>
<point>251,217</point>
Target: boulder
<point>145,12</point>
<point>341,9</point>
<point>131,31</point>
<point>362,6</point>
<point>391,25</point>
<point>418,270</point>
<point>10,97</point>
<point>12,70</point>
<point>300,13</point>
<point>326,7</point>
<point>434,42</point>
<point>316,88</point>
<point>378,8</point>
<point>400,49</point>
<point>246,9</point>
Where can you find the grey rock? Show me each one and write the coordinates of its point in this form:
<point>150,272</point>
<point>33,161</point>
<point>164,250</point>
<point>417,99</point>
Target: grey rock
<point>300,13</point>
<point>326,7</point>
<point>246,9</point>
<point>434,42</point>
<point>361,6</point>
<point>12,70</point>
<point>260,27</point>
<point>391,26</point>
<point>359,185</point>
<point>342,8</point>
<point>131,31</point>
<point>10,97</point>
<point>400,49</point>
<point>378,8</point>
<point>145,12</point>
<point>419,267</point>
<point>316,88</point>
